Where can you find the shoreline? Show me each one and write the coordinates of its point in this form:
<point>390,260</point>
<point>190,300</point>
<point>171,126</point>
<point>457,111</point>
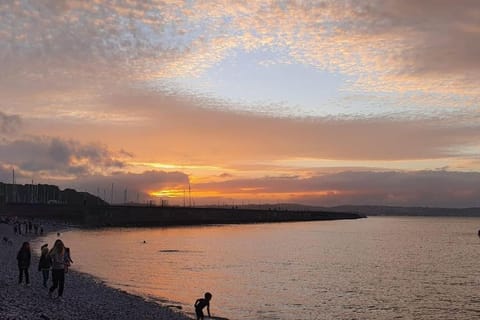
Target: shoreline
<point>85,297</point>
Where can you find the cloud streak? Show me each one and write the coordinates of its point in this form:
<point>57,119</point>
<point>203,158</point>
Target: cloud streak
<point>47,156</point>
<point>396,188</point>
<point>170,129</point>
<point>243,136</point>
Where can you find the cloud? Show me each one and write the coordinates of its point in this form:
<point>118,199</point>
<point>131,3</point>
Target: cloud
<point>90,167</point>
<point>393,45</point>
<point>202,132</point>
<point>84,41</point>
<point>190,130</point>
<point>46,156</point>
<point>9,123</point>
<point>418,188</point>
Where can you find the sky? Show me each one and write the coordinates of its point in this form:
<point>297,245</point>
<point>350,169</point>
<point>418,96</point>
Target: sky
<point>239,102</point>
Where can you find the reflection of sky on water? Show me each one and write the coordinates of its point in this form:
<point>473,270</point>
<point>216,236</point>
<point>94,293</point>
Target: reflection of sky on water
<point>374,268</point>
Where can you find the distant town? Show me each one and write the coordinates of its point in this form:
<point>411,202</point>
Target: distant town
<point>45,194</point>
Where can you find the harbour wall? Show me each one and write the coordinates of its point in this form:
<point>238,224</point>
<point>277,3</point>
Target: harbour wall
<point>124,215</point>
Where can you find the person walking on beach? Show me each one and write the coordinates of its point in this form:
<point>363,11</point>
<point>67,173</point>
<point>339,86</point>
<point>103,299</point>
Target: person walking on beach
<point>58,268</point>
<point>202,303</point>
<point>67,259</point>
<point>23,259</point>
<point>44,264</point>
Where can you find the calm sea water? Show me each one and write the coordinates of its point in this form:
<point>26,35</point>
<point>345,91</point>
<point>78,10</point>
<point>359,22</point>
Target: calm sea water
<point>375,268</point>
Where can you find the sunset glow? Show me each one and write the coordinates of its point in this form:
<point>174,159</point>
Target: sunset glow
<point>315,102</point>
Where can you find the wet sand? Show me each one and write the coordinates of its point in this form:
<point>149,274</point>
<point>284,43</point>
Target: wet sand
<point>84,297</point>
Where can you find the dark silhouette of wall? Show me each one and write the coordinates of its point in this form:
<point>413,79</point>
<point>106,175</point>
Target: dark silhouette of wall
<point>104,215</point>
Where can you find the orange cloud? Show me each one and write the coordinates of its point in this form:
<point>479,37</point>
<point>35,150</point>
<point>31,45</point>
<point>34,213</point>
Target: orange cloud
<point>394,45</point>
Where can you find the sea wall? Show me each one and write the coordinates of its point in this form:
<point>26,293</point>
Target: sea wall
<point>70,213</point>
<point>163,216</point>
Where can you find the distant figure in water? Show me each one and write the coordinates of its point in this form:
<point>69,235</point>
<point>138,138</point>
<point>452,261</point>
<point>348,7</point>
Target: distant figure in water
<point>202,303</point>
<point>23,259</point>
<point>146,241</point>
<point>58,234</point>
<point>479,233</point>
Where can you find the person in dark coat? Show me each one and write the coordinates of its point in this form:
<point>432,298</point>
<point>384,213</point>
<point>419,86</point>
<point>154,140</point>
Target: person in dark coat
<point>57,254</point>
<point>45,264</point>
<point>23,259</point>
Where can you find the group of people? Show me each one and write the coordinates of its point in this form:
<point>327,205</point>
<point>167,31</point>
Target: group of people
<point>58,260</point>
<point>26,227</point>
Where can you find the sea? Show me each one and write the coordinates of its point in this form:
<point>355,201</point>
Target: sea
<point>373,268</point>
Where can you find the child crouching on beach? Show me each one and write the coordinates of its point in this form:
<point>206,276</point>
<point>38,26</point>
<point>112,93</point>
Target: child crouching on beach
<point>202,303</point>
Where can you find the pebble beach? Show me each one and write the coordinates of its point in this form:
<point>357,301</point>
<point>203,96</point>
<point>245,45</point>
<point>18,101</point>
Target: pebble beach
<point>84,297</point>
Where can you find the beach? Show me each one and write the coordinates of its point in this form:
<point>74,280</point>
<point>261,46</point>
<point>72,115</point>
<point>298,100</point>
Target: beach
<point>84,297</point>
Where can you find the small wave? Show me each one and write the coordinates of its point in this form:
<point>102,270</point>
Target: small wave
<point>178,251</point>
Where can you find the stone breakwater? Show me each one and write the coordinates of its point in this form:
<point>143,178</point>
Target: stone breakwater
<point>83,298</point>
<point>148,216</point>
